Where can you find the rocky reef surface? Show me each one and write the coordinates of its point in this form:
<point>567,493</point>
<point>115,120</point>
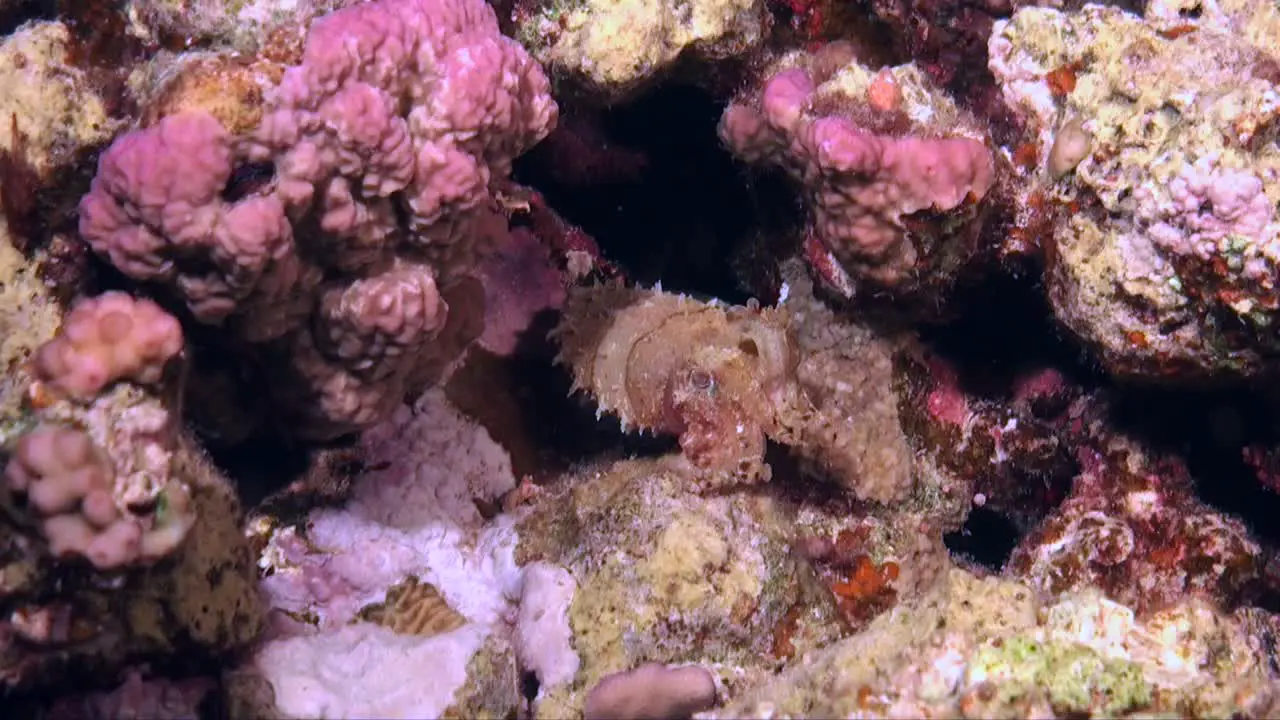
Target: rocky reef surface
<point>639,359</point>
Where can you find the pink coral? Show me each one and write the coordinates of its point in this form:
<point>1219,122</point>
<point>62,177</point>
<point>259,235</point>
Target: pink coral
<point>69,484</point>
<point>109,338</point>
<point>875,194</point>
<point>384,141</point>
<point>156,212</point>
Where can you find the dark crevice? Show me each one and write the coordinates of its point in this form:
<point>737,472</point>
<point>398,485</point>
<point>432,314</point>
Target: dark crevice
<point>1004,330</point>
<point>525,402</point>
<point>17,13</point>
<point>986,539</point>
<point>653,185</point>
<point>1210,429</point>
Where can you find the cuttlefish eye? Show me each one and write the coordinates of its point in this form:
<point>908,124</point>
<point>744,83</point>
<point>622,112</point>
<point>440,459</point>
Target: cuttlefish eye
<point>701,379</point>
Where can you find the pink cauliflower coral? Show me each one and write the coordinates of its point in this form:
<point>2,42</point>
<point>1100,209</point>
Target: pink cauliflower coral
<point>69,485</point>
<point>894,210</point>
<point>341,272</point>
<point>105,339</point>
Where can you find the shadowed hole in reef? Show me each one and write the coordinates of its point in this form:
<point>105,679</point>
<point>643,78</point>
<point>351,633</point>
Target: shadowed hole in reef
<point>17,12</point>
<point>529,685</point>
<point>1210,429</point>
<point>986,539</point>
<point>1005,329</point>
<point>653,185</point>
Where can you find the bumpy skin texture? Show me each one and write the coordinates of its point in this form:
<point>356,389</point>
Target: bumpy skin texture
<point>853,433</point>
<point>726,378</point>
<point>721,378</point>
<point>1165,255</point>
<point>894,174</point>
<point>342,271</point>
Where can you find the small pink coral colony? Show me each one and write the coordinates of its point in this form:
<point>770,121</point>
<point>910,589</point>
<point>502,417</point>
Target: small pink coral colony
<point>353,273</point>
<point>863,177</point>
<point>89,504</point>
<point>109,338</point>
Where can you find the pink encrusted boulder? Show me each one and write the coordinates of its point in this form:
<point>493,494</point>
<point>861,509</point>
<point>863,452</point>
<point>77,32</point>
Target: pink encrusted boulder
<point>350,272</point>
<point>898,180</point>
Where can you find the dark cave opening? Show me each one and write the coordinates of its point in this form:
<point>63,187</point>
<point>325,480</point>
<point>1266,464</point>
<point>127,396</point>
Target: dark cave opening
<point>986,540</point>
<point>652,184</point>
<point>1004,329</point>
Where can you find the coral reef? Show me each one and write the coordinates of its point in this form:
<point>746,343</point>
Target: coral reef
<point>52,109</point>
<point>614,49</point>
<point>101,488</point>
<point>237,25</point>
<point>55,111</point>
<point>876,450</point>
<point>107,339</point>
<point>341,582</point>
<point>1132,527</point>
<point>1007,452</point>
<point>120,538</point>
<point>978,647</point>
<point>29,316</point>
<point>666,575</point>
